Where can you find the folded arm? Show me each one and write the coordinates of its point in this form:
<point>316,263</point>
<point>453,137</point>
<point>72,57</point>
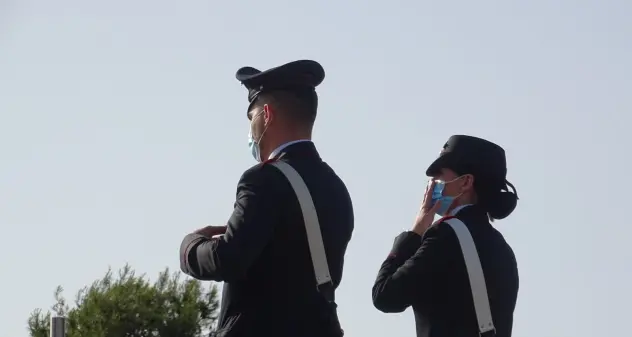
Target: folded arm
<point>249,229</point>
<point>410,271</point>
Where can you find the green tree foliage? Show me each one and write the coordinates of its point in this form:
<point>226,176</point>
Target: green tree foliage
<point>131,306</point>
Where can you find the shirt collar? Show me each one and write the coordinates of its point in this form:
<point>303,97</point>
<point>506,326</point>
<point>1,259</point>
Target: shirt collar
<point>278,150</point>
<point>458,208</point>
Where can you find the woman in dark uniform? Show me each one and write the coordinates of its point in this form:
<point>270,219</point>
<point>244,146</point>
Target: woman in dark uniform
<point>458,273</point>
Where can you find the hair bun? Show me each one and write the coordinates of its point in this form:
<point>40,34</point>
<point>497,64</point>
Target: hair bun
<point>502,205</point>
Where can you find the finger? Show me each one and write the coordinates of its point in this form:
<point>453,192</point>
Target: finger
<point>429,189</point>
<point>436,206</point>
<point>428,196</point>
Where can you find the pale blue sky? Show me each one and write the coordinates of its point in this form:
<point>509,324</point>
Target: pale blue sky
<point>122,128</point>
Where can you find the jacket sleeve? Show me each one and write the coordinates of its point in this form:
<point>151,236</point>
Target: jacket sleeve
<point>249,230</point>
<point>410,272</point>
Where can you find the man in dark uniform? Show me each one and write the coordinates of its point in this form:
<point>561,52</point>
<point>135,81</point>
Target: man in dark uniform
<point>262,254</point>
<point>459,274</point>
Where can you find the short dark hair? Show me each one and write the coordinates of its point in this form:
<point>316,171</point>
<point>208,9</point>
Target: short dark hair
<point>298,106</point>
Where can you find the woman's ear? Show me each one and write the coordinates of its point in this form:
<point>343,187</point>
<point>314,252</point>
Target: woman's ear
<point>468,184</point>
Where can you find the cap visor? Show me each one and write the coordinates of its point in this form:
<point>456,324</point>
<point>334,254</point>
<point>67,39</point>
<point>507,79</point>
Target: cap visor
<point>444,161</point>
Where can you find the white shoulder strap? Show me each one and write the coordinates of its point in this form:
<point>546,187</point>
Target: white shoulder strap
<point>312,226</point>
<point>475,273</point>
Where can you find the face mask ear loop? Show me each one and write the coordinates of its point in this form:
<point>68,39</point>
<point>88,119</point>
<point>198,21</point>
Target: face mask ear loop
<point>254,118</point>
<point>455,179</point>
<point>262,133</point>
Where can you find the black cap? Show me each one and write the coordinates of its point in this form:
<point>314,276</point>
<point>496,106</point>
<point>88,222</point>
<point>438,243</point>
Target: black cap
<point>472,155</point>
<point>486,161</point>
<point>299,77</point>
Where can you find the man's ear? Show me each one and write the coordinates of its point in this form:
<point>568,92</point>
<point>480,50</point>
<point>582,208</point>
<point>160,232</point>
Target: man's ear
<point>268,113</point>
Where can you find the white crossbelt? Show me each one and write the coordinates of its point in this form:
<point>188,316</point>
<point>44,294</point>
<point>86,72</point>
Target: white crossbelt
<point>475,273</point>
<point>312,226</point>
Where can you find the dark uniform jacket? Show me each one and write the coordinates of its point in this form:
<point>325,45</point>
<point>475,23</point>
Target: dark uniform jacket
<point>264,259</point>
<point>429,274</point>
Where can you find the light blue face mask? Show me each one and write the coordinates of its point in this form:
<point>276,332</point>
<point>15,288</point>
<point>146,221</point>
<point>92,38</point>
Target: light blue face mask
<point>254,147</point>
<point>253,144</point>
<point>446,200</point>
